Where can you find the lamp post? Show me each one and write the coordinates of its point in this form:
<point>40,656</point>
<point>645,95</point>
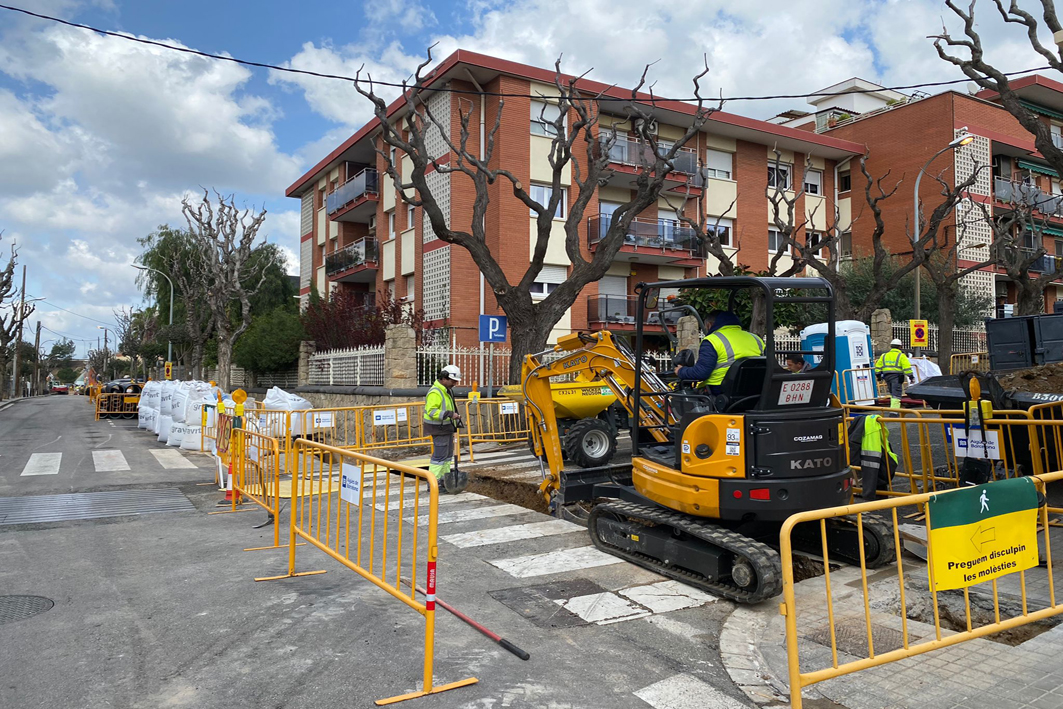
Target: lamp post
<point>105,332</point>
<point>964,138</point>
<point>169,343</point>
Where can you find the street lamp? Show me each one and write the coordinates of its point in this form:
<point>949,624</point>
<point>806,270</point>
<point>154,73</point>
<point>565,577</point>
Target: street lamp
<point>964,138</point>
<point>105,333</point>
<point>169,343</point>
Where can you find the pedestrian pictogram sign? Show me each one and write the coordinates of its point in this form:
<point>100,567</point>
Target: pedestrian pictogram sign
<point>920,333</point>
<point>981,533</point>
<point>169,370</point>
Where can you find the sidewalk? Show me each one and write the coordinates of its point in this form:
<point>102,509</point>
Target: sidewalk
<point>977,673</point>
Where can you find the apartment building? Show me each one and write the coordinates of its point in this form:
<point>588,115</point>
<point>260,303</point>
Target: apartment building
<point>358,236</point>
<point>903,132</point>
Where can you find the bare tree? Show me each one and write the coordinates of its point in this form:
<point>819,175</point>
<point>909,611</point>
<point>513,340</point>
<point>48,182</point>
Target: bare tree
<point>192,278</point>
<point>227,238</point>
<point>1030,268</point>
<point>577,147</point>
<point>979,70</point>
<point>12,312</point>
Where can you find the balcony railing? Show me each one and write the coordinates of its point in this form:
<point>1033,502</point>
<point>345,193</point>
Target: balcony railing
<point>635,152</point>
<point>365,182</point>
<point>360,253</point>
<point>620,310</point>
<point>1045,263</point>
<point>664,234</point>
<point>1028,195</point>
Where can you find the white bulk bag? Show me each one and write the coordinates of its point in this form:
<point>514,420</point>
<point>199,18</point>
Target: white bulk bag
<point>177,434</point>
<point>177,402</point>
<point>165,423</point>
<point>277,399</point>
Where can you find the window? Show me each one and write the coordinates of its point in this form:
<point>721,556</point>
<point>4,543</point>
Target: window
<point>1059,247</point>
<point>543,115</point>
<point>549,278</point>
<point>722,227</point>
<point>391,290</point>
<point>719,164</point>
<point>391,225</point>
<point>409,216</point>
<point>779,176</point>
<point>813,241</point>
<point>321,198</point>
<point>410,287</point>
<point>776,242</point>
<point>392,153</point>
<point>813,182</point>
<point>845,181</point>
<point>847,244</point>
<point>542,194</point>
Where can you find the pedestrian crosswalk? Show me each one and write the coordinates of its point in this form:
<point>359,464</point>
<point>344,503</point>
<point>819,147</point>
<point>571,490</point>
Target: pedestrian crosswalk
<point>103,461</point>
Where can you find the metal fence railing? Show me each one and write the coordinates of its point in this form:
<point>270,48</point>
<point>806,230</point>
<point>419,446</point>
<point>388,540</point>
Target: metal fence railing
<point>286,379</point>
<point>362,366</point>
<point>963,340</point>
<point>477,365</point>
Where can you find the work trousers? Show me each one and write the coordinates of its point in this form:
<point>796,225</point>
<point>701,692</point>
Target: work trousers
<point>442,449</point>
<point>895,381</point>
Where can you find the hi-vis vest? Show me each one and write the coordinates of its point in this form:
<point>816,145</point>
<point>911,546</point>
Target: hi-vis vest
<point>893,362</point>
<point>437,403</point>
<point>731,343</point>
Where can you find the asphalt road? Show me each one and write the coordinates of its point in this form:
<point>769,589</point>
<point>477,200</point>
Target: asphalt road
<point>161,610</point>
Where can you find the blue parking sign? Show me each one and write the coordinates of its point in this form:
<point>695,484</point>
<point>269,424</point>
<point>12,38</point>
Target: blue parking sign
<point>492,328</point>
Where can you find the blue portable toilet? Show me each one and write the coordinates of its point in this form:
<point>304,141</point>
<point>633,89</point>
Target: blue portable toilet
<point>852,351</point>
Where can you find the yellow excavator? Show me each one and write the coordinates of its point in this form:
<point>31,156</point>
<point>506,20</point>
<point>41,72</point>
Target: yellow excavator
<point>713,474</point>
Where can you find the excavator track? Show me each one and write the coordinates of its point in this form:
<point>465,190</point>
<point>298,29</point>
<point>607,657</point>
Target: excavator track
<point>755,559</point>
<point>843,540</point>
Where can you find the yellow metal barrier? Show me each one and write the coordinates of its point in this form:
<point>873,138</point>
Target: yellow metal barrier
<point>256,475</point>
<point>884,600</point>
<point>376,518</point>
<point>969,362</point>
<point>117,405</point>
<point>392,426</point>
<point>498,421</point>
<point>859,385</point>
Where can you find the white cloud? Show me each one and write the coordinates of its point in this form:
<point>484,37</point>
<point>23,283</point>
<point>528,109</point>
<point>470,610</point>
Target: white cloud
<point>282,228</point>
<point>407,14</point>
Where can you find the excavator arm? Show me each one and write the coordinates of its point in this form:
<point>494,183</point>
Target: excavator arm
<point>600,357</point>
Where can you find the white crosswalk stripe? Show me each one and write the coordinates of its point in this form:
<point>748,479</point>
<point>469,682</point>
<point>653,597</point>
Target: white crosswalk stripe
<point>555,562</point>
<point>107,461</point>
<point>42,464</point>
<point>686,692</point>
<point>172,459</point>
<point>518,532</point>
<point>468,515</point>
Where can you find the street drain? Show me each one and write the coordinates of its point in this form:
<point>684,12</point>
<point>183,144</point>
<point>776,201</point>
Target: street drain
<point>15,608</point>
<point>851,637</point>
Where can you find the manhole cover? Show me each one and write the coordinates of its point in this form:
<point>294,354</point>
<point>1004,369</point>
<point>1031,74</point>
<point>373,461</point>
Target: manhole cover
<point>14,608</point>
<point>851,637</point>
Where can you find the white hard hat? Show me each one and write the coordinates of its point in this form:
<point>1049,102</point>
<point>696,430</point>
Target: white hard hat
<point>452,372</point>
<point>896,343</point>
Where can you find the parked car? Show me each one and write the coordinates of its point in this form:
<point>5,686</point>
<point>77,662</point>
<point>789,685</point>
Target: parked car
<point>60,388</point>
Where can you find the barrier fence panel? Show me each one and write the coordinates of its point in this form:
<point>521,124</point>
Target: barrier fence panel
<point>392,426</point>
<point>275,423</point>
<point>494,421</point>
<point>256,475</point>
<point>851,622</point>
<point>209,422</point>
<point>969,362</point>
<point>377,518</point>
<point>117,405</point>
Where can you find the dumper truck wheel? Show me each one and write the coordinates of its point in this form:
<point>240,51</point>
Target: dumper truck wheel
<point>590,443</point>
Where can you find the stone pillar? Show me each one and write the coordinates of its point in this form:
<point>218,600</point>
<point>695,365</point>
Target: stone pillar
<point>306,348</point>
<point>881,330</point>
<point>687,334</point>
<point>400,357</point>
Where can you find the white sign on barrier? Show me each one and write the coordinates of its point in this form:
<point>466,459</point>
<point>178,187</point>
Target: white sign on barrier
<point>980,444</point>
<point>323,420</point>
<point>386,417</point>
<point>351,483</point>
<point>509,408</point>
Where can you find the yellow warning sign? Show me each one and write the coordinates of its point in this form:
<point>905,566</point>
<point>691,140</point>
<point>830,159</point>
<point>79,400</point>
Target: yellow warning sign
<point>981,533</point>
<point>169,370</point>
<point>920,333</point>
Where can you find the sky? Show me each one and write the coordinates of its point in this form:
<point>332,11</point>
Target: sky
<point>101,138</point>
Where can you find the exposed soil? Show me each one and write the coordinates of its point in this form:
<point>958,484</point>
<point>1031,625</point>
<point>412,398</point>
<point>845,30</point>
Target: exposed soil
<point>1043,379</point>
<point>515,492</point>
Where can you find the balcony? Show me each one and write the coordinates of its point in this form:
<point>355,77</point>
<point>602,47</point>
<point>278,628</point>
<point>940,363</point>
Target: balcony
<point>1011,192</point>
<point>355,200</point>
<point>355,263</point>
<point>650,240</point>
<point>618,312</point>
<point>636,154</point>
<point>1045,263</point>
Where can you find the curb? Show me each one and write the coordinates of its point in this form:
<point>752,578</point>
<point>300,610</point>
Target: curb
<point>743,660</point>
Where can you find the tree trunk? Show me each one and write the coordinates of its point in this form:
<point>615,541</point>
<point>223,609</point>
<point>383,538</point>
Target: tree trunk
<point>225,358</point>
<point>946,320</point>
<point>1031,299</point>
<point>197,360</point>
<point>526,337</point>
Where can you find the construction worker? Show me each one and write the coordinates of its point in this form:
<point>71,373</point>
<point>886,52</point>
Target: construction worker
<point>797,364</point>
<point>725,344</point>
<point>441,419</point>
<point>894,367</point>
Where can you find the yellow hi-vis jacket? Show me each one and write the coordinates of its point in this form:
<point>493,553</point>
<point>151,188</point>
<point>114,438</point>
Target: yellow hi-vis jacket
<point>436,405</point>
<point>894,362</point>
<point>731,343</point>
